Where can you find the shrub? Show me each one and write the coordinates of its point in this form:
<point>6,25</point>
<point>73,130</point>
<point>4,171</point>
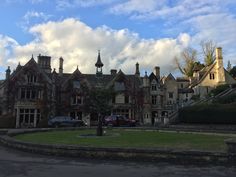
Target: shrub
<point>195,97</point>
<point>209,114</point>
<point>7,121</point>
<point>226,99</point>
<point>43,123</point>
<point>219,89</point>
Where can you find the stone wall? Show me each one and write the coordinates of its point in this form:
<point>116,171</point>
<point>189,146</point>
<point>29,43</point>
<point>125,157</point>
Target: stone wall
<point>148,154</point>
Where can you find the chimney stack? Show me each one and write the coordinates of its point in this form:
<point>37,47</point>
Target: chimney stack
<point>220,66</point>
<point>44,63</point>
<point>137,73</point>
<point>8,73</point>
<point>113,71</point>
<point>157,71</point>
<point>61,66</point>
<point>219,53</point>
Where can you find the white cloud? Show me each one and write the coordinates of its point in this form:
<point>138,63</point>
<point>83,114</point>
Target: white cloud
<point>36,1</point>
<point>204,19</point>
<point>166,9</point>
<point>64,4</point>
<point>218,27</point>
<point>6,45</point>
<point>32,16</point>
<point>88,3</point>
<point>136,6</point>
<point>22,1</point>
<point>78,43</point>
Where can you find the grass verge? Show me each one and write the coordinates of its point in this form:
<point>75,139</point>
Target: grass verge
<point>130,139</point>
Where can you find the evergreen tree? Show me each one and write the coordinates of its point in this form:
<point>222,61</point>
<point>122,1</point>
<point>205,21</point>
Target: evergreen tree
<point>229,67</point>
<point>232,72</point>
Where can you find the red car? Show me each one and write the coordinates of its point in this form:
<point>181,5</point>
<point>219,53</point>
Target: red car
<point>118,120</point>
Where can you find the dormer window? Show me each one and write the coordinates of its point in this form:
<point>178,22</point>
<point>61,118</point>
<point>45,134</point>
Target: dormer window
<point>76,84</point>
<point>31,78</point>
<point>212,76</point>
<point>154,87</point>
<point>119,86</point>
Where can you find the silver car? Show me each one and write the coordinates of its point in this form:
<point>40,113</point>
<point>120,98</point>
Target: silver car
<point>65,121</point>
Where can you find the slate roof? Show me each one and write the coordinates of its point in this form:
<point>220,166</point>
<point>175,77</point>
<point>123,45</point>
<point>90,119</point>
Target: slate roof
<point>182,79</point>
<point>185,90</point>
<point>95,80</point>
<point>202,74</point>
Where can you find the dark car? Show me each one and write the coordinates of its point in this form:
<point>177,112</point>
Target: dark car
<point>118,120</point>
<point>65,121</point>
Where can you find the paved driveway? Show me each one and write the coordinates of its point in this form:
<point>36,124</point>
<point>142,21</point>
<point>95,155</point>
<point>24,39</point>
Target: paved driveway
<point>15,163</point>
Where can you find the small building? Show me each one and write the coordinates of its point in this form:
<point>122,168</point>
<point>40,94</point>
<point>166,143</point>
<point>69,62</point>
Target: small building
<point>209,77</point>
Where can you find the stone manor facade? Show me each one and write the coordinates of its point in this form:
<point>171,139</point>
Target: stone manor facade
<point>32,93</point>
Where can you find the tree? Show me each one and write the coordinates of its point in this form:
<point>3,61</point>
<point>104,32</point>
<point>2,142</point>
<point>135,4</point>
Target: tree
<point>232,72</point>
<point>208,50</point>
<point>229,67</point>
<point>98,101</point>
<point>189,57</point>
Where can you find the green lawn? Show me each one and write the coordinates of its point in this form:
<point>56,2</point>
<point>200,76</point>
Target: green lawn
<point>130,138</point>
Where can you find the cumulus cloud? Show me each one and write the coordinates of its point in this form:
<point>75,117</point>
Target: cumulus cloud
<point>78,43</point>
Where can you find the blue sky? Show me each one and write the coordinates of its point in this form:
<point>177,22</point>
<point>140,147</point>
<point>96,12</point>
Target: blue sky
<point>151,32</point>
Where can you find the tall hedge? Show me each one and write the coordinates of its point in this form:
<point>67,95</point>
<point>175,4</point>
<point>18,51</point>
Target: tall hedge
<point>7,121</point>
<point>209,114</point>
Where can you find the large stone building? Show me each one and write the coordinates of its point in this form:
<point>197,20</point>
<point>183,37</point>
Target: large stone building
<point>33,93</point>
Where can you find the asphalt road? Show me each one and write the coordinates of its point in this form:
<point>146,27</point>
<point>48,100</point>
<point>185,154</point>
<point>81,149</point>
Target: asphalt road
<point>15,163</point>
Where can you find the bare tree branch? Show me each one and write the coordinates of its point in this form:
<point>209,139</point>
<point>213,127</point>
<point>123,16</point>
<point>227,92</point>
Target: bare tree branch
<point>208,50</point>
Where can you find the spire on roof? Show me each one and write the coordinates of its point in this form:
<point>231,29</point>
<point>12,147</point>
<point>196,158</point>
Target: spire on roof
<point>99,63</point>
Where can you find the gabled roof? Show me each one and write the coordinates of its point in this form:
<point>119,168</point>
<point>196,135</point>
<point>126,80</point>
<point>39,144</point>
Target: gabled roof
<point>170,77</point>
<point>30,63</point>
<point>66,77</point>
<point>203,74</point>
<point>119,76</point>
<point>152,76</point>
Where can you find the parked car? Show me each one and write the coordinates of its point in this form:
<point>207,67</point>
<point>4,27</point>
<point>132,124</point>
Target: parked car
<point>65,121</point>
<point>118,120</point>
